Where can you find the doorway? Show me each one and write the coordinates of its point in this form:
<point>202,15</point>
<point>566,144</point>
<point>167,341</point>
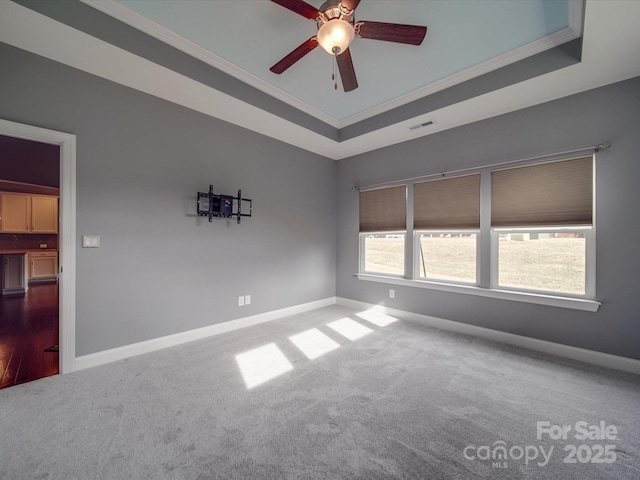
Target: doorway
<point>29,302</point>
<point>62,292</point>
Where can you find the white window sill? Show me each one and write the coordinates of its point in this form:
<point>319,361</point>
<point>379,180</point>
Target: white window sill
<point>537,298</point>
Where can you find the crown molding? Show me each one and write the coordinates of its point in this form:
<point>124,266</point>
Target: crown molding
<point>610,41</point>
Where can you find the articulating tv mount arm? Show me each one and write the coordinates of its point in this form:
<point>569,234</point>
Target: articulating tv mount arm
<point>216,205</point>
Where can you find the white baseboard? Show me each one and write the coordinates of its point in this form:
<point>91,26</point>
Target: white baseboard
<point>126,351</point>
<point>575,353</point>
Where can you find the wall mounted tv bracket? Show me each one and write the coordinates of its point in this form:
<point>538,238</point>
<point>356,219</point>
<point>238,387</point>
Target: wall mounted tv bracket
<point>215,205</point>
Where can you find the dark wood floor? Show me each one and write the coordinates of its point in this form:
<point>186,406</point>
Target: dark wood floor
<point>29,335</point>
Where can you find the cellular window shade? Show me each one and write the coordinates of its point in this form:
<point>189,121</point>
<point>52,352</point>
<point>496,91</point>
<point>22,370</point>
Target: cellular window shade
<point>384,209</point>
<point>447,203</point>
<point>555,193</point>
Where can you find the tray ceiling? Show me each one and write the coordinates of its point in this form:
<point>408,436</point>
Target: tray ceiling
<point>480,58</point>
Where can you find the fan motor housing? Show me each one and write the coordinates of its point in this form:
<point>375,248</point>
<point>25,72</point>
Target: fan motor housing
<point>332,9</point>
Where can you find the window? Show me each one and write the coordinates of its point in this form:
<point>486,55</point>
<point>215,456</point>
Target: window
<point>524,232</point>
<point>542,227</point>
<point>382,230</point>
<point>543,260</point>
<point>447,222</point>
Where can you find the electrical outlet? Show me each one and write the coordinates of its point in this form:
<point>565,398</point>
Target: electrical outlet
<point>392,293</point>
<point>247,299</point>
<point>241,301</point>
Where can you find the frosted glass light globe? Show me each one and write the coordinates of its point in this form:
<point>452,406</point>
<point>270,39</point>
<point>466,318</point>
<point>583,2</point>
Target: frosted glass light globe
<point>335,36</point>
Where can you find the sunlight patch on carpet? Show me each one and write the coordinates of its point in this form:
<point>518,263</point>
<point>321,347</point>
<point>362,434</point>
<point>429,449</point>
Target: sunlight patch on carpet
<point>262,364</point>
<point>349,328</point>
<point>377,318</point>
<point>313,343</point>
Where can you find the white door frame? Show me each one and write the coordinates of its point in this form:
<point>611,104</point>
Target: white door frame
<point>67,239</point>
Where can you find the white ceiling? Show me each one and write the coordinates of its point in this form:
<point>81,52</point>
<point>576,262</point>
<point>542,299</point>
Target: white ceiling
<point>247,37</point>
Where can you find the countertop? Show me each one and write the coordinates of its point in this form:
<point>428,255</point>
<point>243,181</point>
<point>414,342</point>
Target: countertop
<point>18,251</point>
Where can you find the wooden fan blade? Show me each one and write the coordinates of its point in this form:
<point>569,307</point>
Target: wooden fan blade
<point>300,7</point>
<point>391,32</point>
<point>294,56</point>
<point>350,4</point>
<point>347,72</point>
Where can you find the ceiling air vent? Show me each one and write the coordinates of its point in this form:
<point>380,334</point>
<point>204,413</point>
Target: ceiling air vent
<point>422,125</point>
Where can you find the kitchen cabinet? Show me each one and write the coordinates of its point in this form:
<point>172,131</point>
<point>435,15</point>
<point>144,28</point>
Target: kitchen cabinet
<point>15,213</point>
<point>14,279</point>
<point>20,213</point>
<point>44,214</point>
<point>43,266</point>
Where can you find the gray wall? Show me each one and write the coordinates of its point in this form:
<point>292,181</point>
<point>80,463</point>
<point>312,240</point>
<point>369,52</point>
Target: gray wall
<point>160,270</point>
<point>610,113</point>
<point>140,161</point>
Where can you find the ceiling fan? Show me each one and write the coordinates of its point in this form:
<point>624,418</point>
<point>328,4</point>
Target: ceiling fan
<point>337,29</point>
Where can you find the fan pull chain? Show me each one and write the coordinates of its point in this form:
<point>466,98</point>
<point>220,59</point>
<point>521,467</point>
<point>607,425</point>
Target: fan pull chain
<point>333,74</point>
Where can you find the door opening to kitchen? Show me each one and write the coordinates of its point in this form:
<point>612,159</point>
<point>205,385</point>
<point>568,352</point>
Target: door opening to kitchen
<point>29,250</point>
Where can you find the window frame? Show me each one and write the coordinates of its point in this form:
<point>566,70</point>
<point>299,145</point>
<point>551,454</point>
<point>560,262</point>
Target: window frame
<point>416,256</point>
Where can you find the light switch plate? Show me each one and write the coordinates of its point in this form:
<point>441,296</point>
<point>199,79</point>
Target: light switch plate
<point>90,241</point>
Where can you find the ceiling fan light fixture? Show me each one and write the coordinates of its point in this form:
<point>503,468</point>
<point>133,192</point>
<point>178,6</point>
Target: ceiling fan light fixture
<point>335,36</point>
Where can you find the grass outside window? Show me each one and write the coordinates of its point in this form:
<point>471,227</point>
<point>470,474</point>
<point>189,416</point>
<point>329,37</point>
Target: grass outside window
<point>384,253</point>
<point>447,256</point>
<point>550,262</point>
